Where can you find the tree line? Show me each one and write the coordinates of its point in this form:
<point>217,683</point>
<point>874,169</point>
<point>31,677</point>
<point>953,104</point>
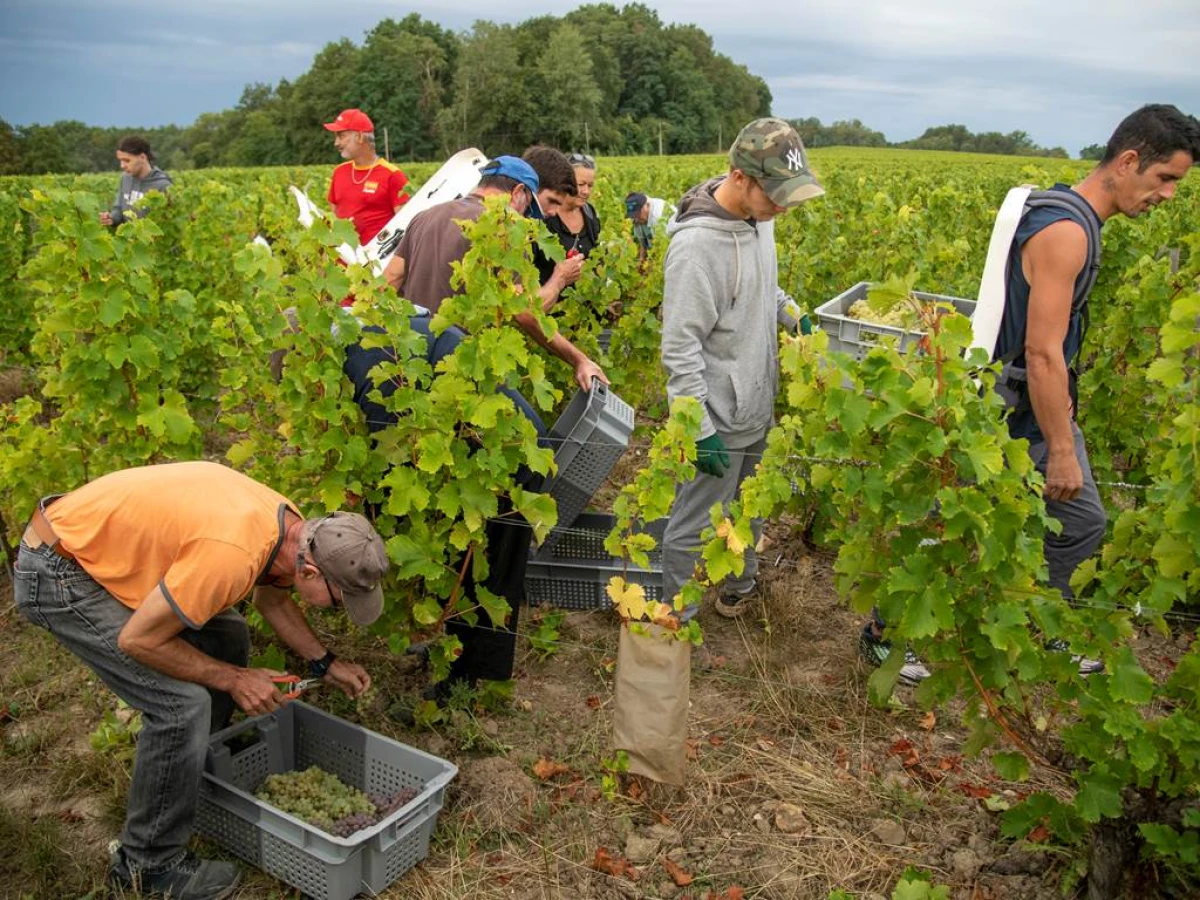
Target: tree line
<point>608,80</point>
<point>599,79</point>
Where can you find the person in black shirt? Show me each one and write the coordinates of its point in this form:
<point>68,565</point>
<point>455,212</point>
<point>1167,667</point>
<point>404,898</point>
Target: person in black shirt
<point>577,225</point>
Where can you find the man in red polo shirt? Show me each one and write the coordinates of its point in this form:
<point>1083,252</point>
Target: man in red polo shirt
<point>366,188</point>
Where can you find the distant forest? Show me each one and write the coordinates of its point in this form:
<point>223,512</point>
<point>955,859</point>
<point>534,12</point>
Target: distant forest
<point>599,79</point>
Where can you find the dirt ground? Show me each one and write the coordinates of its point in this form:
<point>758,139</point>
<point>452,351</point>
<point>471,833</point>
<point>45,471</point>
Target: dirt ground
<point>796,786</point>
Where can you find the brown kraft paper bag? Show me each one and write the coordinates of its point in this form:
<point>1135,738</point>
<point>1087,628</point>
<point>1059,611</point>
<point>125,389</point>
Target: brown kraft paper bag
<point>654,672</point>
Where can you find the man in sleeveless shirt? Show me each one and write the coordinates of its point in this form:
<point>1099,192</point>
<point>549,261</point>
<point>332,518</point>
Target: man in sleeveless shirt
<point>137,573</point>
<point>1044,325</point>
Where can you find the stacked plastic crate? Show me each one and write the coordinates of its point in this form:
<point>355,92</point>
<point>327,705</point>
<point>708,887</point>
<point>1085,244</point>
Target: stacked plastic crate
<point>571,569</point>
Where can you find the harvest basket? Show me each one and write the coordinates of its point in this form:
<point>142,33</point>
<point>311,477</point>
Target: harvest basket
<point>321,865</point>
<point>857,337</point>
<point>573,571</point>
<point>588,439</point>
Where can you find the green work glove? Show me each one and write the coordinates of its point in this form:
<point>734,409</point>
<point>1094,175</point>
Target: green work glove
<point>804,326</point>
<point>711,456</point>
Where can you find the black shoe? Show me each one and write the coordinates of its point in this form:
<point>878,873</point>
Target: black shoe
<point>188,879</point>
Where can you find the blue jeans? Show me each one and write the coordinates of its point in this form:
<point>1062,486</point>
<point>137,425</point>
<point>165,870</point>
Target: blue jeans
<point>177,716</point>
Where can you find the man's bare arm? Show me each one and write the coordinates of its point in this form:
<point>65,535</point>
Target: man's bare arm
<point>585,368</point>
<point>1052,260</point>
<point>151,636</point>
<point>393,272</point>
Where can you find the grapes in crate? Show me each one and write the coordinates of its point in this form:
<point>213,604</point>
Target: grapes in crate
<point>324,800</point>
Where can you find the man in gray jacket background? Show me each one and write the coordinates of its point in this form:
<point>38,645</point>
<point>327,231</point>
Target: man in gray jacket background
<point>722,306</point>
<point>139,177</point>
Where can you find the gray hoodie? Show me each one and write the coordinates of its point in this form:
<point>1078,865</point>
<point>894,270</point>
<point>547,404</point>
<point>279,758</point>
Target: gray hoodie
<point>133,189</point>
<point>721,309</point>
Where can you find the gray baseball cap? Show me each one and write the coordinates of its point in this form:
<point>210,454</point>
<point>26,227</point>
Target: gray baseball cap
<point>350,553</point>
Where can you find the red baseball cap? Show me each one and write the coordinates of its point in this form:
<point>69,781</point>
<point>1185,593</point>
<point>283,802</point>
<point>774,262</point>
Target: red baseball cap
<point>351,120</point>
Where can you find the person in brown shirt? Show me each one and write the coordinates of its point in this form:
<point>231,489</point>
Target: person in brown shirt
<point>421,267</point>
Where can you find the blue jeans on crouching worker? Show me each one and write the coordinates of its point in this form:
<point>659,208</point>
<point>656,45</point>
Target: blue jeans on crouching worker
<point>177,716</point>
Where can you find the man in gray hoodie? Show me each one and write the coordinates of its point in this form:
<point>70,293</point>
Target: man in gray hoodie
<point>139,177</point>
<point>722,306</point>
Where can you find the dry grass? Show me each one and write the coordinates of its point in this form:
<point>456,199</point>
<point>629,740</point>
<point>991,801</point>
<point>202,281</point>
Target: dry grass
<point>781,718</point>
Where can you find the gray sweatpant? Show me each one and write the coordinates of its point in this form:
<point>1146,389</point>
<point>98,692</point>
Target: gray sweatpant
<point>690,516</point>
<point>1083,519</point>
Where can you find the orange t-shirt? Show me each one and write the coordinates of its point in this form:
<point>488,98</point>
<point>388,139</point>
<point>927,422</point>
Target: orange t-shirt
<point>200,531</point>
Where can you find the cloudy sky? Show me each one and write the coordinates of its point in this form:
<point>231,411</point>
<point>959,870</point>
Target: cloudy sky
<point>1065,72</point>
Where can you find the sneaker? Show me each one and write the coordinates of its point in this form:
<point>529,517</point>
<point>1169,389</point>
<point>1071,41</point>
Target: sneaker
<point>188,879</point>
<point>732,604</point>
<point>1086,666</point>
<point>875,651</point>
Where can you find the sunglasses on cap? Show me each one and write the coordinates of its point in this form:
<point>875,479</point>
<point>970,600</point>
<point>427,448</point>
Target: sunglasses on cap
<point>582,159</point>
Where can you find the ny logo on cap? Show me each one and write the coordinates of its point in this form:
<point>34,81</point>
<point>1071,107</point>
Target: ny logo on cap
<point>795,159</point>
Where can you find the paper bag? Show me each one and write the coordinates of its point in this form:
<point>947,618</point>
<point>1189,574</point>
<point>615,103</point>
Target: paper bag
<point>654,672</point>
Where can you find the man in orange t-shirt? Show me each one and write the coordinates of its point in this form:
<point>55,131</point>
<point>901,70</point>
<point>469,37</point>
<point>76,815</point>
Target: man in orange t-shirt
<point>367,188</point>
<point>137,573</point>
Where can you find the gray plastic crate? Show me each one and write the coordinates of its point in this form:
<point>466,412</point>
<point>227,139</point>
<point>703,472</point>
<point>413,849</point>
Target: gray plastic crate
<point>856,337</point>
<point>573,572</point>
<point>321,865</point>
<point>588,439</point>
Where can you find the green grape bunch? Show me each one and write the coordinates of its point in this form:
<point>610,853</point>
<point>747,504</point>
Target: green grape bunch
<point>324,800</point>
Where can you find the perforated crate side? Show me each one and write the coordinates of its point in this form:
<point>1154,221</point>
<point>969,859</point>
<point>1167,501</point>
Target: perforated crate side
<point>589,439</point>
<point>582,586</point>
<point>856,337</point>
<point>584,540</point>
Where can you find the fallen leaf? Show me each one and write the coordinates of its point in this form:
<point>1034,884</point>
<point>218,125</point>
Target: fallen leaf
<point>950,763</point>
<point>545,769</point>
<point>900,748</point>
<point>593,702</point>
<point>928,720</point>
<point>635,789</point>
<point>680,877</point>
<point>1039,835</point>
<point>692,752</point>
<point>716,740</point>
<point>978,791</point>
<point>617,866</point>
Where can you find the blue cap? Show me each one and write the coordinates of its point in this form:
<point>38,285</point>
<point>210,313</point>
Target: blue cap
<point>634,201</point>
<point>520,171</point>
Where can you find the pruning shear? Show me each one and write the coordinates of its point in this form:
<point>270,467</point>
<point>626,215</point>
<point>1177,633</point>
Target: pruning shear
<point>298,684</point>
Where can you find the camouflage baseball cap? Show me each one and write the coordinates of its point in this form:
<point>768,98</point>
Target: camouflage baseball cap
<point>771,152</point>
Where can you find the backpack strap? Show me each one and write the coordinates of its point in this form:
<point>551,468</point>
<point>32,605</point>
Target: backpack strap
<point>1082,214</point>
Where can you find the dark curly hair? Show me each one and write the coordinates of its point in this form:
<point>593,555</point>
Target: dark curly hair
<point>136,145</point>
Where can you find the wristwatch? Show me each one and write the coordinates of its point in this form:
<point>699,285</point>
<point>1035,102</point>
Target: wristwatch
<point>318,667</point>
